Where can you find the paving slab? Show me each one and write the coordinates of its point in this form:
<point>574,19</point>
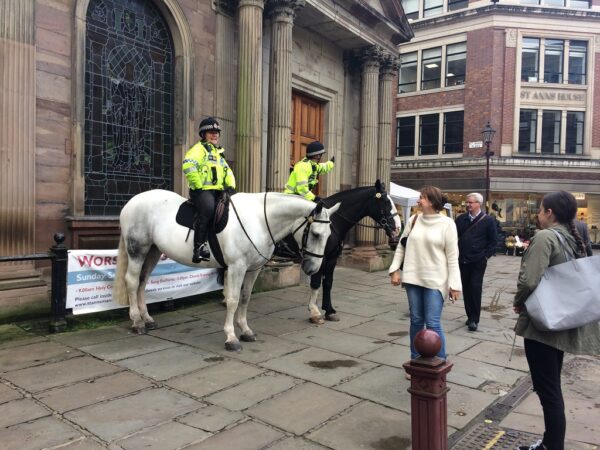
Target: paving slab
<point>38,434</point>
<point>214,378</point>
<point>23,410</point>
<point>170,318</point>
<point>12,335</point>
<point>127,348</point>
<point>295,443</point>
<point>319,366</point>
<point>464,404</point>
<point>364,308</point>
<point>279,326</point>
<point>253,391</point>
<point>384,385</point>
<point>497,354</point>
<point>35,354</point>
<point>366,426</point>
<point>114,419</point>
<point>265,304</point>
<point>302,408</point>
<point>170,362</point>
<point>249,435</point>
<point>190,333</point>
<point>212,418</point>
<point>167,436</point>
<point>36,379</point>
<point>83,444</point>
<point>264,348</point>
<point>93,391</point>
<point>336,341</point>
<point>203,308</point>
<point>380,329</point>
<point>78,339</point>
<point>218,317</point>
<point>484,372</point>
<point>8,393</point>
<point>390,355</point>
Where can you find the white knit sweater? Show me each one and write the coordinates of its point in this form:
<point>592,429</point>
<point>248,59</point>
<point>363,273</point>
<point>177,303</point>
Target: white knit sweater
<point>431,254</point>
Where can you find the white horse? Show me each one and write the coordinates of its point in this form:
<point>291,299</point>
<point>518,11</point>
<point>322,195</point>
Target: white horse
<point>256,222</point>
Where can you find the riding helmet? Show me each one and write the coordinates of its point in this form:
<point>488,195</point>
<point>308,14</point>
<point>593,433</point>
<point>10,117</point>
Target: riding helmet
<point>208,124</point>
<point>314,148</point>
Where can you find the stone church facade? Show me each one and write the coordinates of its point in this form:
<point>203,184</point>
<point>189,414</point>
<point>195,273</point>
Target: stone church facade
<point>101,98</point>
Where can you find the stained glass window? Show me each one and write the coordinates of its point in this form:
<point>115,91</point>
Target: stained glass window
<point>128,104</point>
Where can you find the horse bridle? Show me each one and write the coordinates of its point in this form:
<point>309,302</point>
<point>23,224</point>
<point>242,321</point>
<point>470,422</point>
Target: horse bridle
<point>310,219</point>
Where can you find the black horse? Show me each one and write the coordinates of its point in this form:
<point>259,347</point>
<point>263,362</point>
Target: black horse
<point>356,204</point>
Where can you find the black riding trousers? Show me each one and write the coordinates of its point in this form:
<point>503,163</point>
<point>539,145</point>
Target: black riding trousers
<point>204,202</point>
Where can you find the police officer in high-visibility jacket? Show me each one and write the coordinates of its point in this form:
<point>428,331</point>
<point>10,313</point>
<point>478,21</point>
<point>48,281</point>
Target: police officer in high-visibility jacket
<point>207,173</point>
<point>304,177</point>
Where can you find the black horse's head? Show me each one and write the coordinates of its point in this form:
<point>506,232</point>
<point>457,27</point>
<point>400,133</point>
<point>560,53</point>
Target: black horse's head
<point>383,211</point>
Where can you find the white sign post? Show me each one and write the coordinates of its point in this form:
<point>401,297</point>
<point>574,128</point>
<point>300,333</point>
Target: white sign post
<point>91,274</point>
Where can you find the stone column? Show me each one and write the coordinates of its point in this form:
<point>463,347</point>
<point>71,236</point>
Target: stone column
<point>369,130</point>
<point>282,14</point>
<point>389,67</point>
<point>249,95</point>
<point>17,130</point>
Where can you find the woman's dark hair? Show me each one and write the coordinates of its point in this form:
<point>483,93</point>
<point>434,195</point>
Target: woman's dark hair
<point>564,208</point>
<point>435,196</point>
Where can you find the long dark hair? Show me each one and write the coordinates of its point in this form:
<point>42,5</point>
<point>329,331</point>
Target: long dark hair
<point>564,207</point>
<point>435,196</point>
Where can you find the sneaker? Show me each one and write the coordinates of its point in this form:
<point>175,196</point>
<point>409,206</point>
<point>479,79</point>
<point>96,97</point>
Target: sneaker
<point>537,446</point>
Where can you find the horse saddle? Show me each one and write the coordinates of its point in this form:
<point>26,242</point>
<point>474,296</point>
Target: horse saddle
<point>187,214</point>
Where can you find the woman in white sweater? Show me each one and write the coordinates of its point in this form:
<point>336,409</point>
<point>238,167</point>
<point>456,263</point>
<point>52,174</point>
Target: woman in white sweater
<point>429,263</point>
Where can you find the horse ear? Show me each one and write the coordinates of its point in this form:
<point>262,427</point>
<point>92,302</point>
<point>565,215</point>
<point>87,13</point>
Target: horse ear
<point>318,209</point>
<point>334,208</point>
<point>378,185</point>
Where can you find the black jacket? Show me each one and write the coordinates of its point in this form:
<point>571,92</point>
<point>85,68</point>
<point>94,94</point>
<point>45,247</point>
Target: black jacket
<point>475,242</point>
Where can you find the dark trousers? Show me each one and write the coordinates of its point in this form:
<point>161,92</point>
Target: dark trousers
<point>545,365</point>
<point>204,202</point>
<point>471,275</point>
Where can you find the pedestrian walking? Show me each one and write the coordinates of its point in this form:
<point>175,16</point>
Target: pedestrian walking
<point>426,263</point>
<point>477,240</point>
<point>544,350</point>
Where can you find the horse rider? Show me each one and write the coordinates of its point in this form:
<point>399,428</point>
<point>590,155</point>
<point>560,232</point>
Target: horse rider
<point>208,174</point>
<point>304,177</point>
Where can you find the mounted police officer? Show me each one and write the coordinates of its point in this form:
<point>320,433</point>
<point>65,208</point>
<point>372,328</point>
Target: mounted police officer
<point>304,177</point>
<point>208,174</point>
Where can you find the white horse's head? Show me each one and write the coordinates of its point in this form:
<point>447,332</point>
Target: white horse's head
<point>314,238</point>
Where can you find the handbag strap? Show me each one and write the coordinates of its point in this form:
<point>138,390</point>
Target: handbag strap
<point>412,225</point>
<point>568,256</point>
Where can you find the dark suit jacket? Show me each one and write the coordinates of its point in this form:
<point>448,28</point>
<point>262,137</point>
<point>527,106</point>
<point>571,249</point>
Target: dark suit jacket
<point>583,231</point>
<point>478,241</point>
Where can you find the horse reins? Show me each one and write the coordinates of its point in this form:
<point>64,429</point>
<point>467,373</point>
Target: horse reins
<point>380,224</point>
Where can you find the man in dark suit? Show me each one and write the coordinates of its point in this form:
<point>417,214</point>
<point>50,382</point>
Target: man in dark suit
<point>583,231</point>
<point>476,243</point>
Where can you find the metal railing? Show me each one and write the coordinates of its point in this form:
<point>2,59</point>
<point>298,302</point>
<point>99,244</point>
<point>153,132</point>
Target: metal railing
<point>58,254</point>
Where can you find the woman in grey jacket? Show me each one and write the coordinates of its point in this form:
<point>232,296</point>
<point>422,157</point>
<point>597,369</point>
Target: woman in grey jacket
<point>545,349</point>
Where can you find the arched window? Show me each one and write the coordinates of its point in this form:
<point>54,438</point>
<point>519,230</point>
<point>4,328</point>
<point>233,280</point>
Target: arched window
<point>129,98</point>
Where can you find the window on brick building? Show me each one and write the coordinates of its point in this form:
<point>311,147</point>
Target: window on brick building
<point>585,4</point>
<point>453,131</point>
<point>530,59</point>
<point>454,5</point>
<point>553,60</point>
<point>456,62</point>
<point>431,68</point>
<point>407,80</point>
<point>420,9</point>
<point>527,130</point>
<point>551,132</point>
<point>411,8</point>
<point>577,62</point>
<point>574,142</point>
<point>405,136</point>
<point>433,7</point>
<point>429,134</point>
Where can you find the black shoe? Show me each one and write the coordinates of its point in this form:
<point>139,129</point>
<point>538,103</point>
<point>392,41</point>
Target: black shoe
<point>201,253</point>
<point>537,446</point>
<point>467,322</point>
<point>472,326</point>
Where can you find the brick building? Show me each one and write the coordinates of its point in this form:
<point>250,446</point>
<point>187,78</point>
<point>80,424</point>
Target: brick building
<point>532,69</point>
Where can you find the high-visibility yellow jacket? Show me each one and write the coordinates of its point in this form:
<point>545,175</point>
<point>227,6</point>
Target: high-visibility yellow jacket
<point>205,168</point>
<point>303,178</point>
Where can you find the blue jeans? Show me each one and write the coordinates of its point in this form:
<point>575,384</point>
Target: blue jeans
<point>425,312</point>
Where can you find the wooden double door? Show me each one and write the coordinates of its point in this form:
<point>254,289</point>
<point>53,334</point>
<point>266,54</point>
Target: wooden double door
<point>307,125</point>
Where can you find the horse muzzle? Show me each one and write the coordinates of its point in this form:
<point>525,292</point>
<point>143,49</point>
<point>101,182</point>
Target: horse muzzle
<point>394,240</point>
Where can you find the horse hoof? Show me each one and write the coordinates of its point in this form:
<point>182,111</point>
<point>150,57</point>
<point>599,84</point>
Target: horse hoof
<point>248,337</point>
<point>233,346</point>
<point>151,325</point>
<point>318,320</point>
<point>141,329</point>
<point>332,317</point>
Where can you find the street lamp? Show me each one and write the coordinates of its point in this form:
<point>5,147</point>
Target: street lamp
<point>488,135</point>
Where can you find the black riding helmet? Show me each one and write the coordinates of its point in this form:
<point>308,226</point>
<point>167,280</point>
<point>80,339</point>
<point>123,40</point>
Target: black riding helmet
<point>208,124</point>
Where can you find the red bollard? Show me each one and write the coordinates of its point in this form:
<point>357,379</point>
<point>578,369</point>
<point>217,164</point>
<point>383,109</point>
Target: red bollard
<point>429,411</point>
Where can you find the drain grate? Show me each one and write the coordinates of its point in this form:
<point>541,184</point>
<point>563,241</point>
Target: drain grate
<point>491,437</point>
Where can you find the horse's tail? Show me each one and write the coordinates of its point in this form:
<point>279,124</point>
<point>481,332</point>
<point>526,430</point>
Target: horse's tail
<point>120,294</point>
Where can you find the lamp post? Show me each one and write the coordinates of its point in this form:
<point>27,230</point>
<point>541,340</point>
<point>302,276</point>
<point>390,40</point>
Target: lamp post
<point>488,135</point>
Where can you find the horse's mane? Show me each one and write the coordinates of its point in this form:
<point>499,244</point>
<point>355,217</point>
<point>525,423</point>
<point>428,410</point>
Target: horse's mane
<point>344,195</point>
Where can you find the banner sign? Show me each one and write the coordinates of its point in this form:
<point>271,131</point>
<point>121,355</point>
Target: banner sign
<point>91,274</point>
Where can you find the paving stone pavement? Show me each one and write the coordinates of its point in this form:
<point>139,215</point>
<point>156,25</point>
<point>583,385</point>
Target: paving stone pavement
<point>298,387</point>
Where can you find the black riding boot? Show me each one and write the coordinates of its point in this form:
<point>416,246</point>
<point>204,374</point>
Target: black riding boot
<point>201,253</point>
<point>204,202</point>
